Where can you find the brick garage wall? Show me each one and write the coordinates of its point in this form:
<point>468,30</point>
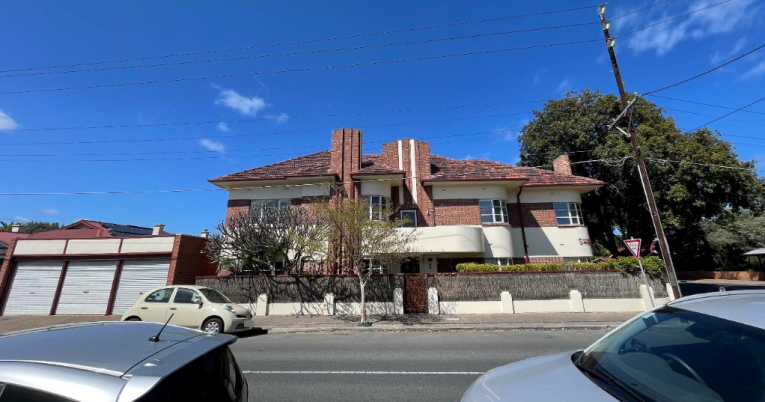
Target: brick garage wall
<point>457,212</point>
<point>235,207</point>
<point>189,261</point>
<point>5,274</point>
<point>534,215</point>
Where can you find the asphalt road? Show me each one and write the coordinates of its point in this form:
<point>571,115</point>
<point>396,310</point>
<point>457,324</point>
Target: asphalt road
<point>326,366</point>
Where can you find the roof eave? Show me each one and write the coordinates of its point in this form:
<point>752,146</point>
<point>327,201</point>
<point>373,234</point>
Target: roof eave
<point>220,181</point>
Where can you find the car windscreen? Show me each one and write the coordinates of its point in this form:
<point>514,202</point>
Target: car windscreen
<point>679,355</point>
<point>214,296</point>
<point>214,377</point>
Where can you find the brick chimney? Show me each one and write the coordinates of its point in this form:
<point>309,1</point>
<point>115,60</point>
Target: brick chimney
<point>562,166</point>
<point>205,234</point>
<point>413,158</point>
<point>16,228</point>
<point>346,156</point>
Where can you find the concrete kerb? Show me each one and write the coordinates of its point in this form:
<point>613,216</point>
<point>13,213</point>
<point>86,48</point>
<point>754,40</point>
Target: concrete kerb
<point>543,326</point>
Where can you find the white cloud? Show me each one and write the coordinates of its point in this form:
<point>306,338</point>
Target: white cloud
<point>538,76</point>
<point>49,211</point>
<point>7,123</point>
<point>279,118</point>
<point>505,133</point>
<point>755,71</point>
<point>223,127</point>
<point>721,19</point>
<point>242,104</point>
<point>564,86</point>
<point>733,51</point>
<point>484,155</point>
<point>18,218</point>
<point>211,145</point>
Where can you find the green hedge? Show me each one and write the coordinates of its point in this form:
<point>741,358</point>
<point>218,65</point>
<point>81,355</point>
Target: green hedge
<point>654,266</point>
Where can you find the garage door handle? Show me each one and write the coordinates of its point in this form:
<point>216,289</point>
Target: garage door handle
<point>144,308</point>
<point>173,308</point>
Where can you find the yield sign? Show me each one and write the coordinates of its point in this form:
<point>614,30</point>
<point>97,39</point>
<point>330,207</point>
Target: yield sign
<point>634,246</point>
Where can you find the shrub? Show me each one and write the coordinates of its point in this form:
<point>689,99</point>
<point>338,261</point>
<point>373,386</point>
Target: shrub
<point>654,266</point>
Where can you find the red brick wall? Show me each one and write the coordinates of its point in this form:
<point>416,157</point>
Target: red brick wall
<point>457,212</point>
<point>345,156</point>
<point>236,207</point>
<point>5,274</point>
<point>534,215</point>
<point>189,261</point>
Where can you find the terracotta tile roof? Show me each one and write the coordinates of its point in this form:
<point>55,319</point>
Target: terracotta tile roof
<point>6,237</point>
<point>479,169</point>
<point>372,164</point>
<point>442,168</point>
<point>316,164</point>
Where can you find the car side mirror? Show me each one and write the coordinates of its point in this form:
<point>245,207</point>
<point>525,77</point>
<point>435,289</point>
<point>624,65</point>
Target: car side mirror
<point>197,301</point>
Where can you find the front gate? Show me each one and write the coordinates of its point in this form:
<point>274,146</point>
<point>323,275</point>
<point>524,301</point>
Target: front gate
<point>415,294</point>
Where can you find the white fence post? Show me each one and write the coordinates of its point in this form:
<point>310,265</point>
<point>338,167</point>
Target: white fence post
<point>506,299</point>
<point>433,307</point>
<point>262,307</point>
<point>646,297</point>
<point>398,300</point>
<point>329,304</point>
<point>670,292</point>
<point>577,304</point>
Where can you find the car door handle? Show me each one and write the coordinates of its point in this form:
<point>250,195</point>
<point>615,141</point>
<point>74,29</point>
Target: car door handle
<point>144,308</point>
<point>173,308</point>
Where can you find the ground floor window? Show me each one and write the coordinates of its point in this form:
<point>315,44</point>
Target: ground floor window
<point>375,265</point>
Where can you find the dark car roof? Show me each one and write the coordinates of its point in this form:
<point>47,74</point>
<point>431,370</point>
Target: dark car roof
<point>106,347</point>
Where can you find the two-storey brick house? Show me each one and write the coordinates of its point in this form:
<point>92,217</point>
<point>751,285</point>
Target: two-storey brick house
<point>463,210</point>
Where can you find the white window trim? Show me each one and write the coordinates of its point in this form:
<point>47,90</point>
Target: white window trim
<point>279,204</point>
<point>505,218</point>
<point>384,203</point>
<point>401,215</point>
<point>575,214</point>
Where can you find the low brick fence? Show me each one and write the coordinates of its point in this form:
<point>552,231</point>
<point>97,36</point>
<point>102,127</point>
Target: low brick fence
<point>452,293</point>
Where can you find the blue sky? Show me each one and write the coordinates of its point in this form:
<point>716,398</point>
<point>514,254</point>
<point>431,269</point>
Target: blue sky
<point>45,33</point>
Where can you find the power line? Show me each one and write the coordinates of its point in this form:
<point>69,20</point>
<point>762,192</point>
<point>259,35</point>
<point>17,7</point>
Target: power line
<point>306,52</point>
<point>673,18</point>
<point>731,61</point>
<point>711,115</point>
<point>307,41</point>
<point>262,134</point>
<point>665,161</point>
<point>729,113</point>
<point>705,104</point>
<point>204,122</point>
<point>297,70</point>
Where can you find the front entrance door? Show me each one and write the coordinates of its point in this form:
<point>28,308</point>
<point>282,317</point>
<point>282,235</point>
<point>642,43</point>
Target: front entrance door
<point>415,295</point>
<point>410,266</point>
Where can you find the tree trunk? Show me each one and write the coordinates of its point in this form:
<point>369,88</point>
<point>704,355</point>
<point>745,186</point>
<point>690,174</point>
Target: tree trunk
<point>363,306</point>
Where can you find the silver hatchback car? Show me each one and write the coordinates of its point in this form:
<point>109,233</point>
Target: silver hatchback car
<point>119,362</point>
<point>703,348</point>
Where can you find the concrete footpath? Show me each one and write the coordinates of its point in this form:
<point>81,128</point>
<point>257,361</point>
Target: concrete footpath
<point>407,322</point>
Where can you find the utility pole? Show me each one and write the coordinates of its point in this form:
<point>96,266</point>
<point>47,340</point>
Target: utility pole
<point>663,245</point>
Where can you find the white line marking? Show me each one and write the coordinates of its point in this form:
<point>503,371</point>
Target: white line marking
<point>369,372</point>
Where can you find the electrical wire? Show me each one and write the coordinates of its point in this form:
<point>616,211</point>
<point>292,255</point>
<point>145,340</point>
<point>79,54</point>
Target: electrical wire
<point>262,134</point>
<point>300,70</point>
<point>308,41</point>
<point>730,113</point>
<point>634,31</point>
<point>704,104</point>
<point>307,52</point>
<point>697,76</point>
<point>666,161</point>
<point>711,115</point>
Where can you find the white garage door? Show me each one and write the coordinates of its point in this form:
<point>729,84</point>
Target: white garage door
<point>87,286</point>
<point>33,287</point>
<point>137,278</point>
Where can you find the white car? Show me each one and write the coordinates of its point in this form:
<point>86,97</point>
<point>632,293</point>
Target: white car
<point>703,348</point>
<point>191,306</point>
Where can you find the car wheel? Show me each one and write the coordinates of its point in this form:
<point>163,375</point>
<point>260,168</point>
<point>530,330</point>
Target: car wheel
<point>213,326</point>
<point>133,319</point>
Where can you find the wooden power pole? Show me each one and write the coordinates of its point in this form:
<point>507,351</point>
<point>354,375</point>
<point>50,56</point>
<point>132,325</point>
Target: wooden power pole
<point>663,245</point>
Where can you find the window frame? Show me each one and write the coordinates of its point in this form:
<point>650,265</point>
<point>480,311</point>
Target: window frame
<point>172,295</point>
<point>377,207</point>
<point>376,266</point>
<point>568,213</point>
<point>261,204</point>
<point>413,224</point>
<point>194,293</point>
<point>498,211</point>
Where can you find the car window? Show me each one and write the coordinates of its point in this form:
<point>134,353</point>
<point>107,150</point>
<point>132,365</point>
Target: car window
<point>214,296</point>
<point>213,377</point>
<point>160,296</point>
<point>15,393</point>
<point>678,355</point>
<point>183,295</point>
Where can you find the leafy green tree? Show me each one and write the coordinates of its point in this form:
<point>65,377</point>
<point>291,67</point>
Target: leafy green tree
<point>686,194</point>
<point>733,234</point>
<point>31,226</point>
